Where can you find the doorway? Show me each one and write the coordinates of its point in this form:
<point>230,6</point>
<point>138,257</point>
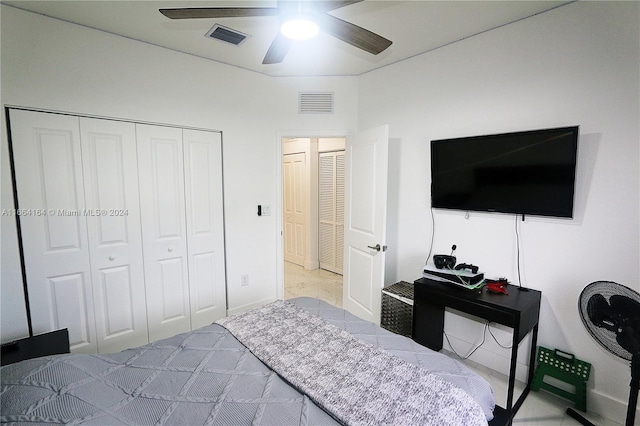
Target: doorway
<point>313,217</point>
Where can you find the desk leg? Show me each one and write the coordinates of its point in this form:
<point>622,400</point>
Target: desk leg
<point>512,369</point>
<point>532,355</point>
<point>530,372</point>
<point>428,324</point>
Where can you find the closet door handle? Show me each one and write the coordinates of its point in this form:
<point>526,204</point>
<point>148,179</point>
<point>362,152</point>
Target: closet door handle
<point>112,257</point>
<point>378,247</point>
<point>170,249</point>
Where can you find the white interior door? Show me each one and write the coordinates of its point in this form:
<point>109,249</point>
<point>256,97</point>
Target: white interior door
<point>115,243</point>
<point>162,208</point>
<point>295,215</point>
<point>365,221</point>
<point>49,181</point>
<point>205,226</point>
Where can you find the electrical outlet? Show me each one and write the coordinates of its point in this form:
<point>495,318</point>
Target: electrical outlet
<point>244,280</point>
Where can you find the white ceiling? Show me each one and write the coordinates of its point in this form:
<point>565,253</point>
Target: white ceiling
<point>415,27</point>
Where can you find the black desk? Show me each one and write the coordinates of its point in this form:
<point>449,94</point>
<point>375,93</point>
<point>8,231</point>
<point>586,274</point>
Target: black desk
<point>520,310</point>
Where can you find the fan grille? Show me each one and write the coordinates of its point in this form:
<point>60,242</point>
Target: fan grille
<point>607,338</point>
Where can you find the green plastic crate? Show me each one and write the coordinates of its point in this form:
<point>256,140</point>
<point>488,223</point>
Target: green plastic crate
<point>565,367</point>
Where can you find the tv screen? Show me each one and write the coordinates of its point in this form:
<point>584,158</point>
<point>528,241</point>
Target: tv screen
<point>528,173</point>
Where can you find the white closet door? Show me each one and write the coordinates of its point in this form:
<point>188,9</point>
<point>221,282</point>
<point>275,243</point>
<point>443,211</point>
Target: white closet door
<point>340,168</point>
<point>115,243</point>
<point>327,208</point>
<point>205,226</point>
<point>162,208</point>
<point>331,210</point>
<point>49,182</point>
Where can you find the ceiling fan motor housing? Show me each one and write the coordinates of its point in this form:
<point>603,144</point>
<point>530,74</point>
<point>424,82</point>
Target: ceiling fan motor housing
<point>315,11</point>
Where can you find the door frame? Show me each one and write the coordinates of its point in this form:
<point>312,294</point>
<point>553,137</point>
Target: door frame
<point>280,136</point>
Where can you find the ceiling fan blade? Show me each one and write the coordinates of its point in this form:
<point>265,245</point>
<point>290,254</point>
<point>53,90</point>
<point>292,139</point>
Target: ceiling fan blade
<point>353,34</point>
<point>278,50</point>
<point>218,12</point>
<point>327,5</point>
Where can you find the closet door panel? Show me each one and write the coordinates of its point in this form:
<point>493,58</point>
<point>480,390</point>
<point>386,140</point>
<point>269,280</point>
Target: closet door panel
<point>327,209</point>
<point>115,241</point>
<point>331,211</point>
<point>162,206</point>
<point>68,306</point>
<point>205,225</point>
<point>50,187</point>
<point>340,169</point>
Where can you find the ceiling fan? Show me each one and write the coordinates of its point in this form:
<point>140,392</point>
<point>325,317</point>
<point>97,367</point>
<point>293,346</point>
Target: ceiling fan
<point>314,11</point>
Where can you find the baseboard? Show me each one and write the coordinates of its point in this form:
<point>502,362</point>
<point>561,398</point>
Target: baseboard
<point>248,306</point>
<point>311,265</point>
<point>608,407</point>
<point>488,358</point>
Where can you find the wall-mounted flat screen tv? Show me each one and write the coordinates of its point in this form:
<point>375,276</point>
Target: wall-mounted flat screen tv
<point>528,173</point>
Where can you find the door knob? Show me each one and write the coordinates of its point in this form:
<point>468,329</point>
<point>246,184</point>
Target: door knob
<point>112,257</point>
<point>376,247</point>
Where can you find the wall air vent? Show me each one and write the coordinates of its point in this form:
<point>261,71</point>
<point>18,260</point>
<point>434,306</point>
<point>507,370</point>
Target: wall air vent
<point>226,34</point>
<point>315,102</point>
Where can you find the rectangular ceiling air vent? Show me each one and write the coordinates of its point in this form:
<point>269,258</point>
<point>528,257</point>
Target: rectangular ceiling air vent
<point>226,34</point>
<point>315,102</point>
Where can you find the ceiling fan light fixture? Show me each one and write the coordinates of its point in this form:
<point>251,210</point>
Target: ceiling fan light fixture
<point>299,29</point>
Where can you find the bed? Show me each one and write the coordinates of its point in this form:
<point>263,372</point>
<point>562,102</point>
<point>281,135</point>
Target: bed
<point>296,362</point>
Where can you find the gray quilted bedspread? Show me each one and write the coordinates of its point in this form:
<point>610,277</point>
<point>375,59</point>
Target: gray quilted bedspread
<point>202,377</point>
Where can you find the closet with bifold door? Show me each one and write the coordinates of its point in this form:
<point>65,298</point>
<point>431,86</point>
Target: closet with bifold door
<point>331,210</point>
<point>121,227</point>
<point>182,228</point>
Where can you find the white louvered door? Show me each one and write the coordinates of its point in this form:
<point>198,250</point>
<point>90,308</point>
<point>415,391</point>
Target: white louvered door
<point>161,176</point>
<point>50,186</point>
<point>331,210</point>
<point>115,243</point>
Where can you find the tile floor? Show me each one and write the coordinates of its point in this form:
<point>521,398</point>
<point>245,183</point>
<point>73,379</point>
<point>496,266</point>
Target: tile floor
<point>321,284</point>
<point>539,409</point>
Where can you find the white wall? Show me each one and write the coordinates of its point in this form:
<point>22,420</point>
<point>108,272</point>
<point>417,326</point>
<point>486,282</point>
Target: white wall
<point>578,64</point>
<point>50,64</point>
<point>575,65</point>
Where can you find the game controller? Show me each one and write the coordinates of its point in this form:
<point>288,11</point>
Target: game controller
<point>472,268</point>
